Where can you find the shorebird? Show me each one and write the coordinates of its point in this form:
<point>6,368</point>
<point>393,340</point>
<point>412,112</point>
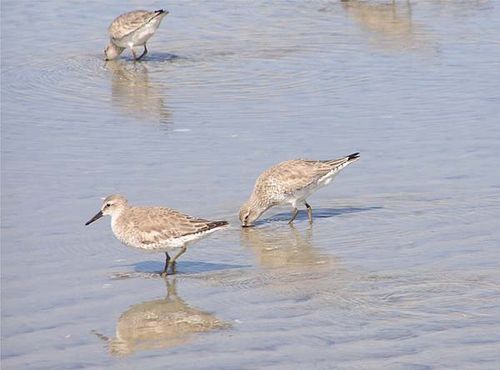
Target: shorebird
<point>132,29</point>
<point>154,229</point>
<point>291,182</point>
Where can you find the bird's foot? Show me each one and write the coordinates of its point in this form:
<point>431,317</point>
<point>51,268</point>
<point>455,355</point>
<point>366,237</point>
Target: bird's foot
<point>171,266</point>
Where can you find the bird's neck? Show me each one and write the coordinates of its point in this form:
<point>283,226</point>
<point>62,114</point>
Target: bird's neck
<point>117,214</point>
<point>259,203</point>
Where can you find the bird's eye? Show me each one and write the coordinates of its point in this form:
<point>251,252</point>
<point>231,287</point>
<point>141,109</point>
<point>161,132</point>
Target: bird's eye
<point>108,204</point>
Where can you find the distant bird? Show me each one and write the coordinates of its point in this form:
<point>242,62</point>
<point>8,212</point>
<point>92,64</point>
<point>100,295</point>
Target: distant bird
<point>291,182</point>
<point>132,29</point>
<point>154,229</point>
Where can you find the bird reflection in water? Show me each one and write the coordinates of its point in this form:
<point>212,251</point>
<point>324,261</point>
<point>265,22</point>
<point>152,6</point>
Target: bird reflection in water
<point>291,265</point>
<point>160,323</point>
<point>285,248</point>
<point>389,23</point>
<point>134,94</point>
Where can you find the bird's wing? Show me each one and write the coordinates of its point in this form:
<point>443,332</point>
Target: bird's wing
<point>287,177</point>
<point>291,176</point>
<point>160,223</point>
<point>130,22</point>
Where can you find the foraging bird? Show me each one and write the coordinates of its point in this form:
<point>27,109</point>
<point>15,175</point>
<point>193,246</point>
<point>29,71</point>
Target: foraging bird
<point>154,229</point>
<point>291,182</point>
<point>132,29</point>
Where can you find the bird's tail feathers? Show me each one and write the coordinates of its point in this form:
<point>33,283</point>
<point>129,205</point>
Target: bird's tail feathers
<point>216,224</point>
<point>334,163</point>
<point>353,156</point>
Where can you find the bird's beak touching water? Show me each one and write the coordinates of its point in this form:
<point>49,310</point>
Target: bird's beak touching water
<point>95,218</point>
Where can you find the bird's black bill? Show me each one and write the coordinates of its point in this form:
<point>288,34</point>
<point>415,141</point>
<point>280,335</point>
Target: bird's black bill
<point>95,218</point>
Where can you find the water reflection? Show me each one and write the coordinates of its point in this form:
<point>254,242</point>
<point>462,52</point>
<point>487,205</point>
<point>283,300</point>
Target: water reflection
<point>463,7</point>
<point>284,247</point>
<point>291,265</point>
<point>134,94</point>
<point>160,323</point>
<point>389,24</point>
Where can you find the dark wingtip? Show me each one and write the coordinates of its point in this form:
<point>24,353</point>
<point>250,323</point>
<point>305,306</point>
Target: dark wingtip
<point>353,156</point>
<point>161,11</point>
<point>214,224</point>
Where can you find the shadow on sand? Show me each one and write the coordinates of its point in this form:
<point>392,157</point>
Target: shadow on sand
<point>317,213</point>
<point>155,57</point>
<point>183,267</point>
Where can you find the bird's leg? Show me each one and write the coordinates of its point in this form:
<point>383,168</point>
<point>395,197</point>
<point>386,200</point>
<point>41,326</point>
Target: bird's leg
<point>171,288</point>
<point>167,263</point>
<point>133,53</point>
<point>295,212</point>
<point>172,262</point>
<point>309,212</point>
<point>144,52</point>
<point>100,336</point>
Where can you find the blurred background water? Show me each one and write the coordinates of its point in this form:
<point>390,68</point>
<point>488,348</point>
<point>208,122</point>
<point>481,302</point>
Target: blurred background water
<point>401,267</point>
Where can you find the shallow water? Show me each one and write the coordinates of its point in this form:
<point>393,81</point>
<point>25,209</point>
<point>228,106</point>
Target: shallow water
<point>401,267</point>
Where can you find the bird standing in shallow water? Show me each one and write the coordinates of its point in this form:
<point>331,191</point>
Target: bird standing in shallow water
<point>154,229</point>
<point>291,182</point>
<point>132,29</point>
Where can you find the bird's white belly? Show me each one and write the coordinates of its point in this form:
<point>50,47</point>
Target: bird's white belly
<point>133,239</point>
<point>165,245</point>
<point>300,196</point>
<point>138,37</point>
